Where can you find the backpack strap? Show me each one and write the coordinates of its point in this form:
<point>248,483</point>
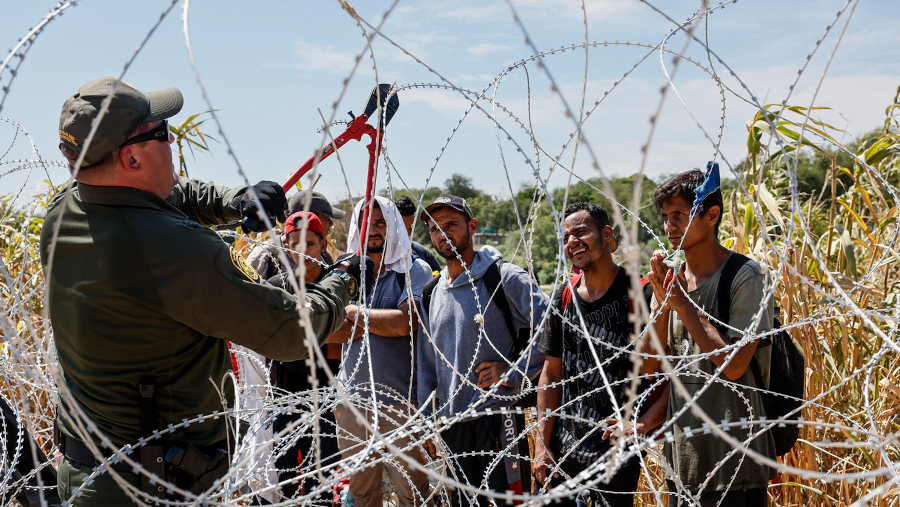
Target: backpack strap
<point>417,250</point>
<point>567,294</point>
<point>648,290</point>
<point>494,283</point>
<point>733,264</point>
<point>723,298</point>
<point>566,298</point>
<point>427,292</point>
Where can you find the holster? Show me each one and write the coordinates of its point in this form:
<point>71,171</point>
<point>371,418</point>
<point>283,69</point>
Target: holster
<point>195,470</point>
<point>151,455</point>
<point>185,465</point>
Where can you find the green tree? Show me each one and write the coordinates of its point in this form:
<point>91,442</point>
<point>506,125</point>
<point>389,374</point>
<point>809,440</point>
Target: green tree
<point>461,186</point>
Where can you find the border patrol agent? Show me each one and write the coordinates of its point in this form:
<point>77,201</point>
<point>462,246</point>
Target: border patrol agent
<point>143,296</point>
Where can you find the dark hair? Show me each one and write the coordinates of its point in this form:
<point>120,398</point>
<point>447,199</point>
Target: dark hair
<point>597,214</point>
<point>405,206</point>
<point>683,185</point>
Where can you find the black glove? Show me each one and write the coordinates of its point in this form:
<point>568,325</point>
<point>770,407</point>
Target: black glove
<point>355,269</point>
<point>273,200</point>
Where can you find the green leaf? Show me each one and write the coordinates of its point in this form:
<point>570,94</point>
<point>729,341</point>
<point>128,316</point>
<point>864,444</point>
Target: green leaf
<point>769,201</point>
<point>880,150</point>
<point>749,223</point>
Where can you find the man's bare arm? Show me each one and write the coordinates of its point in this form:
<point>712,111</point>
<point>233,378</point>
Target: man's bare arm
<point>661,329</point>
<point>386,322</point>
<point>710,339</point>
<point>660,277</point>
<point>548,398</point>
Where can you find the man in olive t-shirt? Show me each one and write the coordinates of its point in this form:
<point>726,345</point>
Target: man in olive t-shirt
<point>706,467</point>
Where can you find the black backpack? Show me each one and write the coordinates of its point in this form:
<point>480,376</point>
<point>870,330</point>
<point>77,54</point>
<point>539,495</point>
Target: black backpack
<point>786,377</point>
<point>521,338</point>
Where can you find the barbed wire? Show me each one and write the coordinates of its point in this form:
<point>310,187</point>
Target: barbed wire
<point>863,445</point>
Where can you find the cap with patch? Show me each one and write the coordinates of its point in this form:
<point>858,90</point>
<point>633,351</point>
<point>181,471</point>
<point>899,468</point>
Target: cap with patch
<point>128,108</point>
<point>319,204</point>
<point>453,201</point>
<point>315,225</point>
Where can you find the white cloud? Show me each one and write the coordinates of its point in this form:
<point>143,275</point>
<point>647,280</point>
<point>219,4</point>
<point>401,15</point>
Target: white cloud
<point>419,44</point>
<point>315,57</point>
<point>482,78</point>
<point>448,103</point>
<point>319,57</point>
<point>486,48</point>
<point>531,10</point>
<point>474,13</point>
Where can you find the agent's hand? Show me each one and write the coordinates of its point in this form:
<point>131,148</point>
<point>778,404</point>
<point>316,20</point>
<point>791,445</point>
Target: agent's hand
<point>489,373</point>
<point>543,462</point>
<point>273,201</point>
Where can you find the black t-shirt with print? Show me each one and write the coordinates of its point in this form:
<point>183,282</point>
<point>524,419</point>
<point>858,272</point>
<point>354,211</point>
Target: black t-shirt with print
<point>606,320</point>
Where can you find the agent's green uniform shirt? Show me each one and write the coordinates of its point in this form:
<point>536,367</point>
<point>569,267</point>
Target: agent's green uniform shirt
<point>139,289</point>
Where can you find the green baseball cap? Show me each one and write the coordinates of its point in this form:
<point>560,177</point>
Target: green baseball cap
<point>129,108</point>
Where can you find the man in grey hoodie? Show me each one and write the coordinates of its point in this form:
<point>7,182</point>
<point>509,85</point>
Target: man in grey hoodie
<point>475,358</point>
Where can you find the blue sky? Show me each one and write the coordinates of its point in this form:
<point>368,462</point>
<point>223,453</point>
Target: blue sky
<point>269,66</point>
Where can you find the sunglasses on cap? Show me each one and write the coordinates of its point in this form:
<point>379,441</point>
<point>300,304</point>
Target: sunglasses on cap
<point>160,133</point>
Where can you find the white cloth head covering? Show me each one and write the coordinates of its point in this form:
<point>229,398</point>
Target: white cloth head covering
<point>397,246</point>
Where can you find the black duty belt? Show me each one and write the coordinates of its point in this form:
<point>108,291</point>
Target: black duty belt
<point>187,466</point>
<point>76,450</point>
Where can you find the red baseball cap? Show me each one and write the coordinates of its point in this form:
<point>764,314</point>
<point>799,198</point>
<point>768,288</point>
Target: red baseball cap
<point>315,225</point>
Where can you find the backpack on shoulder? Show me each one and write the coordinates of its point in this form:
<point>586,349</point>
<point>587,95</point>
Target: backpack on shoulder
<point>521,338</point>
<point>786,380</point>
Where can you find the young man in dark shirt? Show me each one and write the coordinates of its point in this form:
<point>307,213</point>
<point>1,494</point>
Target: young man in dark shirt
<point>583,388</point>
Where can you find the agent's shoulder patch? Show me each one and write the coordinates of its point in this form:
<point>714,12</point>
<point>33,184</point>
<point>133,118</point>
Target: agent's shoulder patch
<point>243,266</point>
